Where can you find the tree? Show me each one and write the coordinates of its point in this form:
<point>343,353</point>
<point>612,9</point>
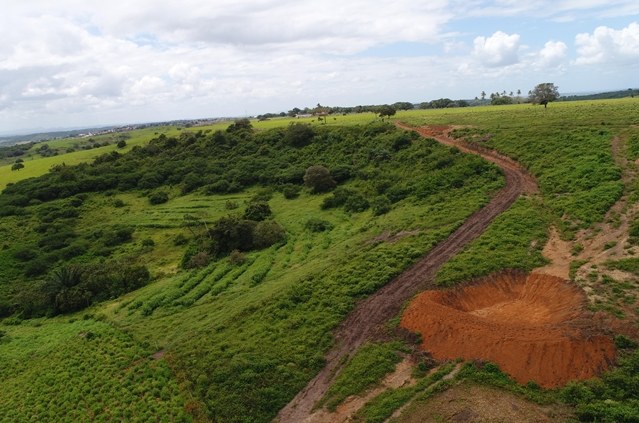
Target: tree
<point>483,95</point>
<point>121,144</point>
<point>299,134</point>
<point>17,166</point>
<point>544,93</point>
<point>386,110</point>
<point>319,179</point>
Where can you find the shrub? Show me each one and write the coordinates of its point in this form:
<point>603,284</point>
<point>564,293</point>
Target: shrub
<point>118,203</point>
<point>318,179</point>
<point>291,191</point>
<point>148,242</point>
<point>318,225</point>
<point>218,187</point>
<point>339,197</point>
<point>263,195</point>
<point>342,173</point>
<point>180,239</point>
<point>356,203</point>
<point>381,205</point>
<point>231,205</point>
<point>25,254</point>
<point>268,233</point>
<point>198,260</point>
<point>237,257</point>
<point>158,197</point>
<point>231,233</point>
<point>118,235</point>
<point>257,211</point>
<point>299,135</point>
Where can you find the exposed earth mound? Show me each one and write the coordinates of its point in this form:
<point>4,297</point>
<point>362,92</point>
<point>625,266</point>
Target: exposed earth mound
<point>533,326</point>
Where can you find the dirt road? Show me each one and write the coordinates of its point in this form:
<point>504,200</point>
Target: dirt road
<point>370,315</point>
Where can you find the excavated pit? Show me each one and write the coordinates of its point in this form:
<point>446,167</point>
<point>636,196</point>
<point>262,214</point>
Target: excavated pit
<point>534,327</point>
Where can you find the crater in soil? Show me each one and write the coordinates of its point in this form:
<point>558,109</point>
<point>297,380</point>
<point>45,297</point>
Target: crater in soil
<point>534,327</point>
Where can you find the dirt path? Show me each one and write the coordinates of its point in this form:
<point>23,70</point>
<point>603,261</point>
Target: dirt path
<point>370,315</point>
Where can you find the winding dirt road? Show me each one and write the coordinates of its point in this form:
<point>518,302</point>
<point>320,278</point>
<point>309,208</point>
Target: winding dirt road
<point>370,315</point>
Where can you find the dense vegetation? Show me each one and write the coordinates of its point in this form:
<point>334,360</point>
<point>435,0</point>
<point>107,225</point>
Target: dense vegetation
<point>270,265</point>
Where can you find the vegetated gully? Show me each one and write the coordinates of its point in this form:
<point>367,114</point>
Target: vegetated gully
<point>370,315</point>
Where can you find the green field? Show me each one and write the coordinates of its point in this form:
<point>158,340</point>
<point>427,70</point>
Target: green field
<point>235,338</point>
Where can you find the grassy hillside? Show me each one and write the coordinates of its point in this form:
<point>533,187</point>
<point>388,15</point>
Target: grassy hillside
<point>226,326</point>
<point>244,332</point>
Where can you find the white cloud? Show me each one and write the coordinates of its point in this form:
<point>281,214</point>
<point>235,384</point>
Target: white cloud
<point>500,49</point>
<point>553,54</point>
<point>84,62</point>
<point>606,45</point>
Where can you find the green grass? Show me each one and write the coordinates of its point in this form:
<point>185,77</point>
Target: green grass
<point>54,370</point>
<point>363,371</point>
<point>567,147</point>
<point>513,241</point>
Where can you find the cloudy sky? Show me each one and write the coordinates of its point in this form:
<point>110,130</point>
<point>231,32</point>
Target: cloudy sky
<point>78,63</point>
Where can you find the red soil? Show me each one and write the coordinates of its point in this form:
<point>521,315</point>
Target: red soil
<point>533,326</point>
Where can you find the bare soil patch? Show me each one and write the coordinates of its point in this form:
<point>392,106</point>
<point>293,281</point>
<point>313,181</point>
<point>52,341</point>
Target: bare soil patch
<point>559,253</point>
<point>469,403</point>
<point>402,376</point>
<point>534,326</point>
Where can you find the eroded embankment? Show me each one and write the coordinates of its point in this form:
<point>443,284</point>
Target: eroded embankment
<point>534,327</point>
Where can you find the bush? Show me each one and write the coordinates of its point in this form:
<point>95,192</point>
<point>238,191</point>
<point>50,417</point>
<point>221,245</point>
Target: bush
<point>148,242</point>
<point>318,179</point>
<point>218,187</point>
<point>338,198</point>
<point>318,225</point>
<point>118,235</point>
<point>268,233</point>
<point>381,205</point>
<point>356,203</point>
<point>200,259</point>
<point>180,239</point>
<point>158,197</point>
<point>231,233</point>
<point>291,191</point>
<point>237,257</point>
<point>342,173</point>
<point>25,254</point>
<point>299,135</point>
<point>257,211</point>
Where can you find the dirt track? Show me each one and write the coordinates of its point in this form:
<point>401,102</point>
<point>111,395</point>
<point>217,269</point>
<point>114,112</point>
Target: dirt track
<point>371,314</point>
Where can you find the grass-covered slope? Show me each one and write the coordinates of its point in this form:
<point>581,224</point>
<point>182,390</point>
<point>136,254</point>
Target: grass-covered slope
<point>245,332</point>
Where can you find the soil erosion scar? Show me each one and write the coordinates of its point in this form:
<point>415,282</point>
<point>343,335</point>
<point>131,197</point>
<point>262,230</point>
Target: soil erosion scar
<point>370,314</point>
<point>534,326</point>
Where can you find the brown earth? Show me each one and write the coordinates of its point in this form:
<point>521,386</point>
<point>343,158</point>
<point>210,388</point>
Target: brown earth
<point>468,403</point>
<point>401,377</point>
<point>534,327</point>
<point>370,315</point>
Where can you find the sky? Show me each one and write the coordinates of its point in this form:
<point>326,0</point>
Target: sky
<point>79,63</point>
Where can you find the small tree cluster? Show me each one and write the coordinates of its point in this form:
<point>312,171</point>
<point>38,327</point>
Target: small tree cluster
<point>319,179</point>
